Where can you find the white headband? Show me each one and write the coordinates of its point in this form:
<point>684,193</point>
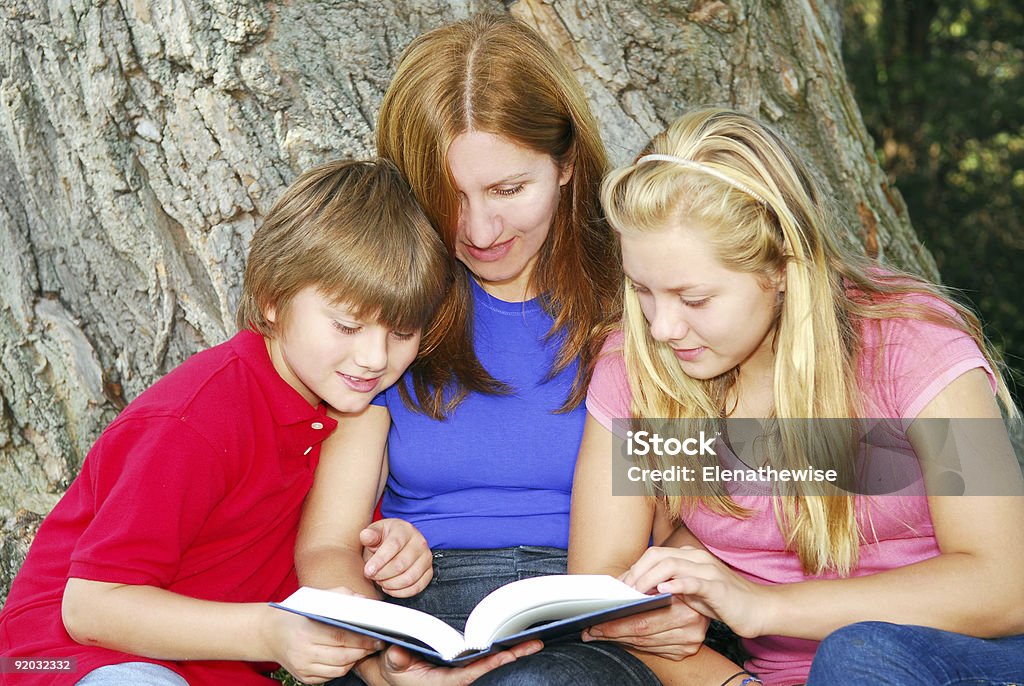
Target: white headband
<point>697,166</point>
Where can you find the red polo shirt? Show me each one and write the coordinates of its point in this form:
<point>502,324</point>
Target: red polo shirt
<point>196,487</point>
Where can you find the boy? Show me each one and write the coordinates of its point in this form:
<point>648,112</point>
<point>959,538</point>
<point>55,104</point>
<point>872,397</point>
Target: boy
<point>157,564</point>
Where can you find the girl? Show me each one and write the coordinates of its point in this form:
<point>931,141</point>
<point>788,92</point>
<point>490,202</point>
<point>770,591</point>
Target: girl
<point>741,302</point>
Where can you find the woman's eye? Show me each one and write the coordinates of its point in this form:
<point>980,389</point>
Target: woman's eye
<point>696,303</point>
<point>403,336</point>
<point>345,328</point>
<point>513,190</point>
<point>639,290</point>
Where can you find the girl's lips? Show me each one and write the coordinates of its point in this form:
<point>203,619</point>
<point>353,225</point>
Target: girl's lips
<point>688,354</point>
<point>491,254</point>
<point>358,384</point>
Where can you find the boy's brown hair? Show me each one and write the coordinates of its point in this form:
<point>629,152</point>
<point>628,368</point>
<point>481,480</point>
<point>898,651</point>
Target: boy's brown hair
<point>353,230</point>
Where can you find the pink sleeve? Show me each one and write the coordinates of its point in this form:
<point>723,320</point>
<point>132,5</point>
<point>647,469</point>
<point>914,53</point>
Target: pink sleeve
<point>608,396</point>
<point>918,360</point>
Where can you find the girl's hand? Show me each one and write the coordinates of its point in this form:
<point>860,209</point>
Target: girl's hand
<point>672,632</point>
<point>397,557</point>
<point>705,583</point>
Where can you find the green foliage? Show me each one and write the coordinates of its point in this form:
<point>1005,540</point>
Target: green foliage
<point>940,84</point>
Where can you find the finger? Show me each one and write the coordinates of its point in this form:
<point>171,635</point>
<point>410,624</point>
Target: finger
<point>475,670</point>
<point>384,554</point>
<point>371,536</point>
<point>398,659</point>
<point>669,568</point>
<point>334,638</point>
<point>650,558</point>
<point>404,559</point>
<point>418,574</point>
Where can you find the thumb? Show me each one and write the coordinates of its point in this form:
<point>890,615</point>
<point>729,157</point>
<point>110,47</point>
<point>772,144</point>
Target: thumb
<point>396,659</point>
<point>372,535</point>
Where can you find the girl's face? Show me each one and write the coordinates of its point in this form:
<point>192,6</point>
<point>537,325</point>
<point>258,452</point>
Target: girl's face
<point>714,319</point>
<point>508,196</point>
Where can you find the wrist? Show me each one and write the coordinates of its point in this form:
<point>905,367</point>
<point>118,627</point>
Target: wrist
<point>774,607</point>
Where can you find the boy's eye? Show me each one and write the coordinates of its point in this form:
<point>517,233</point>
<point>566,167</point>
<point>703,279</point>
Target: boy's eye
<point>345,328</point>
<point>511,190</point>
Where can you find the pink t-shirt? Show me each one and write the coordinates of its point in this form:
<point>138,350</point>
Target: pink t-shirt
<point>918,359</point>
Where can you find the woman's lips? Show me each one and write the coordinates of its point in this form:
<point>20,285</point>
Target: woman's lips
<point>491,254</point>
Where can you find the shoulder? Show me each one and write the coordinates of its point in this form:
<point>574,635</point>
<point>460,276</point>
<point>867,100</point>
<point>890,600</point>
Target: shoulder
<point>905,361</point>
<point>212,394</point>
<point>609,396</point>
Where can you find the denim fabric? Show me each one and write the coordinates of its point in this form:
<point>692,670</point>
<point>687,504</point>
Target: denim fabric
<point>463,577</point>
<point>882,653</point>
<point>132,674</point>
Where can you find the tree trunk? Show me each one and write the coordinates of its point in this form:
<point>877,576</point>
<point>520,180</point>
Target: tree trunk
<point>142,142</point>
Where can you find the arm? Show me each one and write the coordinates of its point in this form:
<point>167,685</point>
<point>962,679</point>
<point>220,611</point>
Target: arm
<point>607,534</point>
<point>153,622</point>
<point>336,527</point>
<point>973,586</point>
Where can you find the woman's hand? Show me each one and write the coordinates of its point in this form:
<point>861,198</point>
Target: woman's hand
<point>397,557</point>
<point>672,632</point>
<point>398,667</point>
<point>705,584</point>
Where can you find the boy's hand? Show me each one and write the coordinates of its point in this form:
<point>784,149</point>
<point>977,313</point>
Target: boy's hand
<point>313,652</point>
<point>397,557</point>
<point>398,667</point>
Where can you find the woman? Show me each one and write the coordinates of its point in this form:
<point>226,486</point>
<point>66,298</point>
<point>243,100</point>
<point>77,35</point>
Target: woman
<point>501,150</point>
<point>741,303</point>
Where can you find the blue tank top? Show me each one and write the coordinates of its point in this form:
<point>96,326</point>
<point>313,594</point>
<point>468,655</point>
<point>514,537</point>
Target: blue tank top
<point>498,471</point>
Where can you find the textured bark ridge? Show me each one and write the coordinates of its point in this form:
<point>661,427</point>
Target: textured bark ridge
<point>142,142</point>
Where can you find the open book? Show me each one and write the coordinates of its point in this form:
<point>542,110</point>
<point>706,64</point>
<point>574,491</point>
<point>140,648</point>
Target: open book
<point>543,607</point>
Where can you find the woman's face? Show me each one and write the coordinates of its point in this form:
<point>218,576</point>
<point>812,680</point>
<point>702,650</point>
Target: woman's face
<point>714,319</point>
<point>508,197</point>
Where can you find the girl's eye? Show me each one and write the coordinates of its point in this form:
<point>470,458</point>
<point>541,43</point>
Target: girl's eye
<point>509,191</point>
<point>638,289</point>
<point>344,328</point>
<point>403,336</point>
<point>696,303</point>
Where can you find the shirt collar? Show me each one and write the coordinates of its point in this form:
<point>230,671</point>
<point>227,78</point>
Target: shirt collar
<point>286,404</point>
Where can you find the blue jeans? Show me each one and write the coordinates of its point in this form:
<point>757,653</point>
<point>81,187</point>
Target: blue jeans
<point>132,674</point>
<point>463,577</point>
<point>882,653</point>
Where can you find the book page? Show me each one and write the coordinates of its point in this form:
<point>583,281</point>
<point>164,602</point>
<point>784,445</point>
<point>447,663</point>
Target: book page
<point>521,604</point>
<point>379,616</point>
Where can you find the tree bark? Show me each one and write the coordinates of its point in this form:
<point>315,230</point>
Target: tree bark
<point>142,142</point>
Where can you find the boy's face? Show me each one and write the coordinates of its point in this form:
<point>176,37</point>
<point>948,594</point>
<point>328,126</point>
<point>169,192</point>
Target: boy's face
<point>326,353</point>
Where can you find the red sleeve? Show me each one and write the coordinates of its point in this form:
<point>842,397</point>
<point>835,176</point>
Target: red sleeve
<point>154,481</point>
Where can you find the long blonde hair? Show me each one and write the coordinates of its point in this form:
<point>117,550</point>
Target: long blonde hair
<point>764,215</point>
<point>494,74</point>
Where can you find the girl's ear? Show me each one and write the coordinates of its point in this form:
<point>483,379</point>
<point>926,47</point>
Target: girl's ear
<point>271,314</point>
